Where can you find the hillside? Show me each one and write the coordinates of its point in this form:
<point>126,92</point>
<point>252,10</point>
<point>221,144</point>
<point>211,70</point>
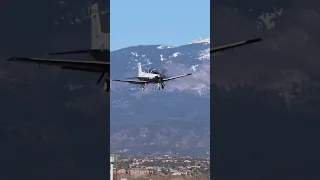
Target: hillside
<point>156,121</point>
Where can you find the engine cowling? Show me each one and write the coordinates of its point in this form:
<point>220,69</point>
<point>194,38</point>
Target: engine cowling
<point>158,79</point>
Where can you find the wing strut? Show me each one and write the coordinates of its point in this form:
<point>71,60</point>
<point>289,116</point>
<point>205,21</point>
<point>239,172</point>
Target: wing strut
<point>101,76</point>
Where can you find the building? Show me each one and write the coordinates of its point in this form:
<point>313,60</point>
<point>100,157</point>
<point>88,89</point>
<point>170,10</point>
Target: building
<point>113,159</point>
<point>133,172</point>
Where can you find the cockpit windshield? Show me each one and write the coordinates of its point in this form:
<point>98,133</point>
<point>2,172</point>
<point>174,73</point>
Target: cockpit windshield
<point>152,71</point>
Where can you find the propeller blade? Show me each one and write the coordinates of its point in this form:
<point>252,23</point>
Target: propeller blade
<point>164,71</point>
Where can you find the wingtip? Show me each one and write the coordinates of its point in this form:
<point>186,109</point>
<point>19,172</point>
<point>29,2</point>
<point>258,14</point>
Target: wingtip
<point>259,39</point>
<point>254,40</point>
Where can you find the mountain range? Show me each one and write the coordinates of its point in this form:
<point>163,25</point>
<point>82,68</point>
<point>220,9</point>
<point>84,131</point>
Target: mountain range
<point>264,98</point>
<point>184,103</point>
<point>172,120</point>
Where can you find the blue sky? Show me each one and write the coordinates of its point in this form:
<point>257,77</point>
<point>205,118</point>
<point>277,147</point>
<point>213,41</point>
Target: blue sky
<point>148,22</point>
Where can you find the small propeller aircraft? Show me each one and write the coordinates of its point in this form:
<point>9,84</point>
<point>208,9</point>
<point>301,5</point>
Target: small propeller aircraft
<point>150,76</point>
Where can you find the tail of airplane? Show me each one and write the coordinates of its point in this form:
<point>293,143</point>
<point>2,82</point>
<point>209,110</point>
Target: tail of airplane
<point>98,39</point>
<point>139,70</point>
<point>96,33</point>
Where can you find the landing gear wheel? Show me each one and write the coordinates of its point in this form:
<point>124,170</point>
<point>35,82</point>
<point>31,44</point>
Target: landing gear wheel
<point>142,88</point>
<point>106,85</point>
<point>162,86</point>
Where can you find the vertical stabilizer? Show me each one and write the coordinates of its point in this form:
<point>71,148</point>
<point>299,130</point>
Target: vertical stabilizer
<point>96,34</point>
<point>139,70</point>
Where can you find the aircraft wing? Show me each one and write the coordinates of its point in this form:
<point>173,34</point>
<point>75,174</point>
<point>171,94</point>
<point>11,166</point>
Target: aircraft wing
<point>233,45</point>
<point>176,77</point>
<point>131,81</point>
<point>89,66</point>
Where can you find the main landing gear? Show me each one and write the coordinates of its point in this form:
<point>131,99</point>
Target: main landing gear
<point>106,85</point>
<point>142,87</point>
<point>160,85</point>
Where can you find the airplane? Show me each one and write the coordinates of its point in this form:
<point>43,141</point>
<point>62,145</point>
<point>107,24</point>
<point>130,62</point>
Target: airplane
<point>98,52</point>
<point>150,76</point>
<point>233,45</point>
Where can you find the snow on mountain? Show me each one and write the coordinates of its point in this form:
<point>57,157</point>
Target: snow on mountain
<point>184,101</point>
<point>164,47</point>
<point>200,40</point>
<point>176,60</point>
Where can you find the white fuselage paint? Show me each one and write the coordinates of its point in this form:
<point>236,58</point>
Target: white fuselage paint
<point>151,78</point>
<point>144,76</point>
<point>149,75</point>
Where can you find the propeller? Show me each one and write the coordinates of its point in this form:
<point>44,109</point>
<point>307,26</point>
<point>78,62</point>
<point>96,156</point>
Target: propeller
<point>163,72</point>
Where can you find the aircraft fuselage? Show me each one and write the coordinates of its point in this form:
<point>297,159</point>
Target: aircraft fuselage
<point>154,79</point>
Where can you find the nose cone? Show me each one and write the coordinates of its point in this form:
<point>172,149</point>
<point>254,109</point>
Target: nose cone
<point>158,78</point>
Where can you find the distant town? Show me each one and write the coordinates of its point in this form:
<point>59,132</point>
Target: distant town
<point>161,167</point>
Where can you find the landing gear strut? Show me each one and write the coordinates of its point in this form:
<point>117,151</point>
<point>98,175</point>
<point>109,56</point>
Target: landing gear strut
<point>160,86</point>
<point>106,85</point>
<point>142,87</point>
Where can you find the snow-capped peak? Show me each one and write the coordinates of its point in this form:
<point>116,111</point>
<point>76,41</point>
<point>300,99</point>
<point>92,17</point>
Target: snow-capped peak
<point>164,47</point>
<point>200,40</point>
